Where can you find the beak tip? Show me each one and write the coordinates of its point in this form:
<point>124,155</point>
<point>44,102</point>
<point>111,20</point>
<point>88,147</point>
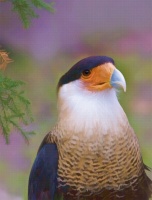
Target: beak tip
<point>117,80</point>
<point>124,89</point>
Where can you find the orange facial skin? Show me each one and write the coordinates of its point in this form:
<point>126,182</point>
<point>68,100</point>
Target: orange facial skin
<point>99,77</point>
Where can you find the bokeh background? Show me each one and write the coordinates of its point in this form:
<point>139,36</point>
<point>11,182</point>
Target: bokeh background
<point>54,42</point>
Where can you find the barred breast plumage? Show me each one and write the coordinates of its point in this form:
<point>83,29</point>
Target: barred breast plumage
<point>90,168</point>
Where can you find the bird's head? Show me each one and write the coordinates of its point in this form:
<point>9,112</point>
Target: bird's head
<point>95,73</point>
<point>87,93</point>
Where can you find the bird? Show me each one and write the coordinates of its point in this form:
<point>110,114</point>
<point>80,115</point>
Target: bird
<point>92,152</point>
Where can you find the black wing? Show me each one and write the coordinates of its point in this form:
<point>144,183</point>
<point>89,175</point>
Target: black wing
<point>43,176</point>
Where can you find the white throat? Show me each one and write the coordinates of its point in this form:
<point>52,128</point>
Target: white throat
<point>89,112</point>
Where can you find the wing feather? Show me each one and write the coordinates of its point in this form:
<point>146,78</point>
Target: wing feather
<point>43,176</point>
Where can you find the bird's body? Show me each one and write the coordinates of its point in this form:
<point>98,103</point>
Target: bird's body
<point>94,152</point>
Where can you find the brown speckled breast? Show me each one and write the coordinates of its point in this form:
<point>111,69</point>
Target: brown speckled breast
<point>99,167</point>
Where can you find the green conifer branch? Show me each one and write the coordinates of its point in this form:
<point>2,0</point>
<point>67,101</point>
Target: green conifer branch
<point>25,9</point>
<point>14,107</point>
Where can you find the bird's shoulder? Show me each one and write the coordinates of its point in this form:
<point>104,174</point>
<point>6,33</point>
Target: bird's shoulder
<point>50,138</point>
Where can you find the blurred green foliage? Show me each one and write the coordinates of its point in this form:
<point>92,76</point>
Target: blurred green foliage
<point>26,9</point>
<point>14,107</point>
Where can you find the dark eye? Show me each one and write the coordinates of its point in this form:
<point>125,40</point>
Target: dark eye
<point>86,72</point>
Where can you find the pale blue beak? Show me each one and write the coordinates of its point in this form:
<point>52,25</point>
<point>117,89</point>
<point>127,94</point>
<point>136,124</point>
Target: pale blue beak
<point>117,80</point>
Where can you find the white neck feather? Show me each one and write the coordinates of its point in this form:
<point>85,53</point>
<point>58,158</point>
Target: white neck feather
<point>89,112</point>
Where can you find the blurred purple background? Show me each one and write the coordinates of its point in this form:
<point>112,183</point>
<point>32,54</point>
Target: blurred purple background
<point>122,29</point>
<point>75,20</point>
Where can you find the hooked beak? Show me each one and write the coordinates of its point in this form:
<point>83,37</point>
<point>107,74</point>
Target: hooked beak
<point>117,80</point>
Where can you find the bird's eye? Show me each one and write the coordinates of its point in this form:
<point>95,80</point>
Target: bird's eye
<point>86,72</point>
